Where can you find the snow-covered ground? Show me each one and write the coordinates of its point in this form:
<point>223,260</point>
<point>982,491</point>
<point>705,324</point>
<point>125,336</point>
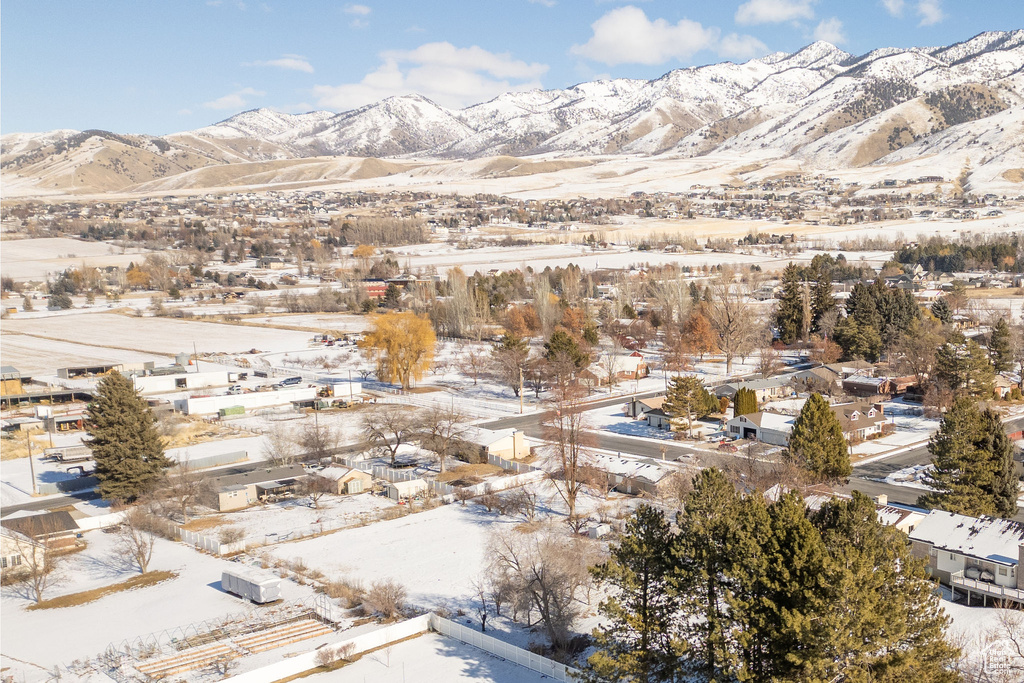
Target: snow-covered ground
<point>44,638</point>
<point>430,657</point>
<point>909,430</point>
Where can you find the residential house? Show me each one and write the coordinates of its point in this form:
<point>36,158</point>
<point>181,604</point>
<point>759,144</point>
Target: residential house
<point>56,529</point>
<point>975,555</point>
<point>639,407</point>
<point>862,385</point>
<point>770,428</point>
<point>347,479</point>
<point>902,517</point>
<point>766,389</point>
<point>658,418</point>
<point>236,491</point>
<point>859,421</point>
<point>509,444</point>
<point>18,551</point>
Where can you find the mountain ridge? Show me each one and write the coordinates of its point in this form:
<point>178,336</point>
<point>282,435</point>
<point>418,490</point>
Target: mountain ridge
<point>805,105</point>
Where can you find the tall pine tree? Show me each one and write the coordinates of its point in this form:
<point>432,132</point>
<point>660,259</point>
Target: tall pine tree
<point>789,316</point>
<point>973,464</point>
<point>817,443</point>
<point>638,642</point>
<point>822,298</point>
<point>885,623</point>
<point>122,432</point>
<point>1000,346</point>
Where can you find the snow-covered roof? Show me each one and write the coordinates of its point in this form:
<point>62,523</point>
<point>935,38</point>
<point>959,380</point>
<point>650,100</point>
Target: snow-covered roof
<point>633,468</point>
<point>765,420</point>
<point>987,538</point>
<point>337,473</point>
<point>485,437</point>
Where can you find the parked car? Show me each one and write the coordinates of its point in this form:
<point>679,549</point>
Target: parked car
<point>236,389</point>
<point>728,447</point>
<point>289,381</point>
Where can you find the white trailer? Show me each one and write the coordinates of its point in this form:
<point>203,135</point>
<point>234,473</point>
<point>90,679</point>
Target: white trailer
<point>253,584</point>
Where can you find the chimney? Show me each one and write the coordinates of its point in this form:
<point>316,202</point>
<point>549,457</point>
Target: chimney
<point>1020,566</point>
<point>883,500</point>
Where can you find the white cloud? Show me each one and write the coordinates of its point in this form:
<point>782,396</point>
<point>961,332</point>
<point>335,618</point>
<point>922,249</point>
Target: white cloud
<point>930,12</point>
<point>735,46</point>
<point>184,112</point>
<point>235,100</point>
<point>626,36</point>
<point>358,10</point>
<point>451,76</point>
<point>893,7</point>
<point>774,11</point>
<point>289,62</point>
<point>831,31</point>
<point>546,3</point>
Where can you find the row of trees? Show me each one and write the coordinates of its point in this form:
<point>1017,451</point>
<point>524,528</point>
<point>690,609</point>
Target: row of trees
<point>740,589</point>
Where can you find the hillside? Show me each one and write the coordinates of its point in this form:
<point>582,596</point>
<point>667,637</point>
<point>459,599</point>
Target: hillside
<point>820,107</point>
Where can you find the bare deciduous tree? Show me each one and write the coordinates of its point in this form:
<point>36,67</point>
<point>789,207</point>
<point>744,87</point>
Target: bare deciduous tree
<point>732,318</point>
<point>315,487</point>
<point>565,427</point>
<point>281,446</point>
<point>40,561</point>
<point>543,572</point>
<point>135,539</point>
<point>389,426</point>
<point>182,487</point>
<point>318,440</point>
<point>386,596</point>
<point>443,430</point>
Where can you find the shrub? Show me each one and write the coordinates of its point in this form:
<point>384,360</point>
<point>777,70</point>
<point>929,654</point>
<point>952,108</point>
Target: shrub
<point>230,534</point>
<point>386,597</point>
<point>351,593</point>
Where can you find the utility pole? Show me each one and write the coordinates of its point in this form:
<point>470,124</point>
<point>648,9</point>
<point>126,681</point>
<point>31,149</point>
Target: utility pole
<point>31,464</point>
<point>520,390</point>
<point>195,356</point>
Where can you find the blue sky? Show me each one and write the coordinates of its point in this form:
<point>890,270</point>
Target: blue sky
<point>160,66</point>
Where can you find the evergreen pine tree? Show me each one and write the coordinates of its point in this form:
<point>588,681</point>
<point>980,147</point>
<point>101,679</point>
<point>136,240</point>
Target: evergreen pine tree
<point>687,397</point>
<point>1000,347</point>
<point>797,566</point>
<point>638,640</point>
<point>128,451</point>
<point>965,475</point>
<point>885,623</point>
<point>857,340</point>
<point>789,316</point>
<point>822,298</point>
<point>562,346</point>
<point>964,367</point>
<point>705,552</point>
<point>994,442</point>
<point>817,442</point>
<point>942,311</point>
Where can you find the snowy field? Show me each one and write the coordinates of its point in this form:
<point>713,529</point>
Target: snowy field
<point>430,657</point>
<point>157,335</point>
<point>33,355</point>
<point>36,259</point>
<point>435,554</point>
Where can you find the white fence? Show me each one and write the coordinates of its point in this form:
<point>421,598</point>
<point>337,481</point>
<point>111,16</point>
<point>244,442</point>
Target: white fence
<point>390,634</point>
<point>513,465</point>
<point>517,655</point>
<point>207,543</point>
<point>360,644</point>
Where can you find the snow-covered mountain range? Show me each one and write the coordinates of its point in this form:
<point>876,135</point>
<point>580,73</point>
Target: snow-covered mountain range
<point>820,106</point>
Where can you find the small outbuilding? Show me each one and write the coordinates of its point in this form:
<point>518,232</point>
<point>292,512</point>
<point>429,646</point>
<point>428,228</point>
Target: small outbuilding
<point>404,490</point>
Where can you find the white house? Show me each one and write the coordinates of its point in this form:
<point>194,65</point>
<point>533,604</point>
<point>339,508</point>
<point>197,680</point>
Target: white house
<point>509,444</point>
<point>771,428</point>
<point>976,555</point>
